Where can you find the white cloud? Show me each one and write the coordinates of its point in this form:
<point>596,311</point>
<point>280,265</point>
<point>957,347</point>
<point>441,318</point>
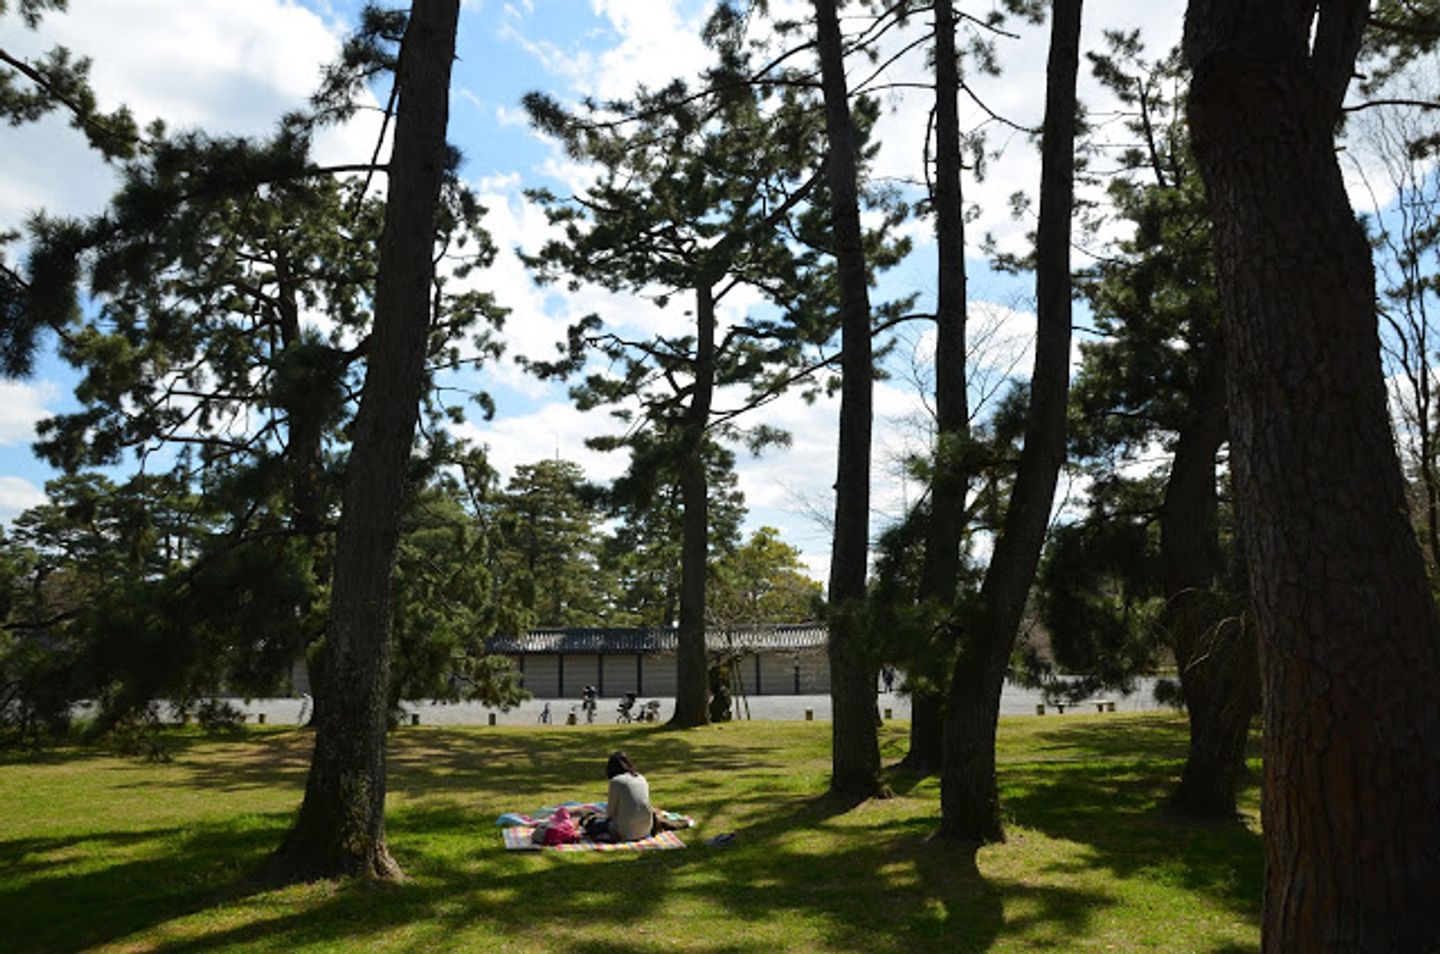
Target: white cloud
<point>227,68</point>
<point>1376,160</point>
<point>656,45</point>
<point>17,495</point>
<point>506,116</point>
<point>553,429</point>
<point>551,57</point>
<point>653,44</point>
<point>224,64</point>
<point>469,96</point>
<point>793,487</point>
<point>575,176</point>
<point>537,319</point>
<point>22,406</point>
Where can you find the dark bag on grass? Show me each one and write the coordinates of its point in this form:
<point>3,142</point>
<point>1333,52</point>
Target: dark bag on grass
<point>596,827</point>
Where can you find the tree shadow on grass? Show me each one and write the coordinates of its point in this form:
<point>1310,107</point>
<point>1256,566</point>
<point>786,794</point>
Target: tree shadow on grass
<point>857,889</point>
<point>904,782</point>
<point>1104,783</point>
<point>1116,809</point>
<point>886,886</point>
<point>562,764</point>
<point>70,893</point>
<point>79,890</point>
<point>1158,735</point>
<point>805,870</point>
<point>805,860</point>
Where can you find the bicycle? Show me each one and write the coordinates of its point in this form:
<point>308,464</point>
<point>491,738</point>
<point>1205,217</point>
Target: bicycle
<point>624,711</point>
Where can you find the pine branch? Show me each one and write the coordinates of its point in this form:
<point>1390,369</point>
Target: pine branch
<point>112,141</point>
<point>1424,104</point>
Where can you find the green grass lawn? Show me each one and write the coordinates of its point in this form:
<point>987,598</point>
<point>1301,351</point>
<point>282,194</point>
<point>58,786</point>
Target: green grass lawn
<point>104,853</point>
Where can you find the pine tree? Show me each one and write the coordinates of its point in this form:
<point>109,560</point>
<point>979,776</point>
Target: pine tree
<point>699,194</point>
<point>969,798</point>
<point>341,826</point>
<point>28,91</point>
<point>546,552</point>
<point>1157,376</point>
<point>1350,638</point>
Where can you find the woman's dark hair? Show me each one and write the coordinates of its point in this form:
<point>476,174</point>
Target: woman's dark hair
<point>619,764</point>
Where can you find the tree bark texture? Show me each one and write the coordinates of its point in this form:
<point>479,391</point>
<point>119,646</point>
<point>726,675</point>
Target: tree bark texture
<point>855,742</point>
<point>340,830</point>
<point>927,732</point>
<point>969,800</point>
<point>1214,644</point>
<point>692,688</point>
<point>1350,643</point>
<point>950,480</point>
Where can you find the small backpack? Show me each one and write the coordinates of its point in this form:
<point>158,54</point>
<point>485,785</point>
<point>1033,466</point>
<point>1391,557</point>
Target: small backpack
<point>560,829</point>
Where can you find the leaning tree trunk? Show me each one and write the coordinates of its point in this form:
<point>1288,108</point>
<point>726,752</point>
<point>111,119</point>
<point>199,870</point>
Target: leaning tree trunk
<point>941,568</point>
<point>855,743</point>
<point>969,799</point>
<point>1214,644</point>
<point>692,685</point>
<point>340,830</point>
<point>1350,642</point>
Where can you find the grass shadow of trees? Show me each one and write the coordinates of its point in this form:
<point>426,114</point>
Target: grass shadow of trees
<point>870,890</point>
<point>805,869</point>
<point>54,904</point>
<point>1106,785</point>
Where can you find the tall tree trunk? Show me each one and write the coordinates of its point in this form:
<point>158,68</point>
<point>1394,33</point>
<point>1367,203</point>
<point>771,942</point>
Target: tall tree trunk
<point>941,568</point>
<point>692,687</point>
<point>305,455</point>
<point>855,744</point>
<point>969,800</point>
<point>1214,648</point>
<point>341,826</point>
<point>1350,642</point>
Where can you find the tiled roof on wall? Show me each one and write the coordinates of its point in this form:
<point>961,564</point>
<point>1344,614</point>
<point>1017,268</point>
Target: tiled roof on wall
<point>785,638</point>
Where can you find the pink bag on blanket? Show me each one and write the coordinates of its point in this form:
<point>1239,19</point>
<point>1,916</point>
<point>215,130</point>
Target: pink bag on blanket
<point>560,829</point>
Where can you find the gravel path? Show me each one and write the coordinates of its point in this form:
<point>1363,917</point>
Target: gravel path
<point>1015,700</point>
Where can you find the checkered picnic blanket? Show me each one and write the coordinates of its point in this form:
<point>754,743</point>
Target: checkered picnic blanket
<point>517,828</point>
<point>517,838</point>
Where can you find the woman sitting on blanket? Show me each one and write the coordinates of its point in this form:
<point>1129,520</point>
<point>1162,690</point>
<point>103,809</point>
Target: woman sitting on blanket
<point>629,813</point>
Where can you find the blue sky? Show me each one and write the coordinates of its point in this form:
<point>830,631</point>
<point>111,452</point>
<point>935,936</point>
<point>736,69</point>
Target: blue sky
<point>223,65</point>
